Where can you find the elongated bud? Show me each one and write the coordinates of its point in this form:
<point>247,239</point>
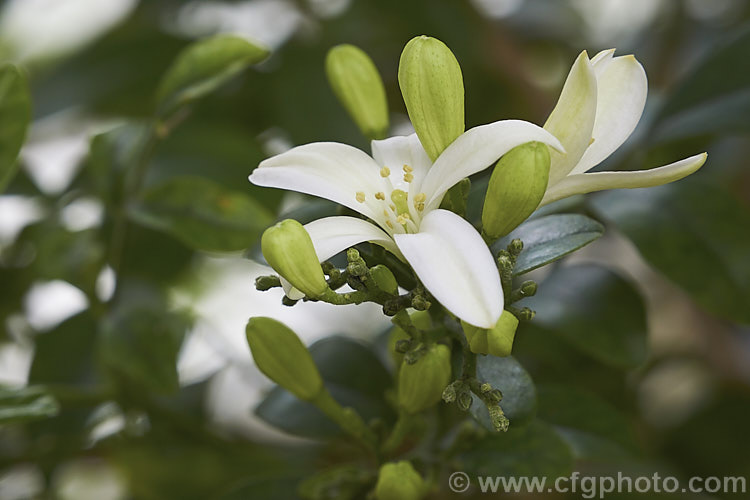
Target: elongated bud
<point>433,88</point>
<point>289,250</point>
<point>282,357</point>
<point>421,385</point>
<point>384,279</point>
<point>399,481</point>
<point>357,84</point>
<point>516,188</point>
<point>497,341</point>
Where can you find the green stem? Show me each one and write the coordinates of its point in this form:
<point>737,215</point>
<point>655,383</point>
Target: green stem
<point>401,429</point>
<point>348,419</point>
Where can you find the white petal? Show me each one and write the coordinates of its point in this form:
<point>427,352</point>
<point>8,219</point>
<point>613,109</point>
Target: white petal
<point>596,181</point>
<point>475,150</point>
<point>572,120</point>
<point>601,60</point>
<point>455,265</point>
<point>331,235</point>
<point>621,96</point>
<point>395,152</point>
<point>326,169</point>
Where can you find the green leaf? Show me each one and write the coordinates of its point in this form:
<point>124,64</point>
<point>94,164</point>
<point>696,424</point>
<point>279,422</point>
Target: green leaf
<point>15,114</point>
<point>519,393</point>
<point>715,96</point>
<point>202,214</point>
<point>354,376</point>
<point>596,311</point>
<point>24,404</point>
<point>593,428</point>
<point>65,355</point>
<point>530,450</point>
<point>203,66</point>
<point>695,233</point>
<point>549,238</point>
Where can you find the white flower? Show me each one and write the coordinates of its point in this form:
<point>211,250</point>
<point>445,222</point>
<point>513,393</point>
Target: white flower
<point>399,189</point>
<point>600,105</point>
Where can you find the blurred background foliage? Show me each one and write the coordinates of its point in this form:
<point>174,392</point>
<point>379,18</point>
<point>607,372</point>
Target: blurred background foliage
<point>124,290</point>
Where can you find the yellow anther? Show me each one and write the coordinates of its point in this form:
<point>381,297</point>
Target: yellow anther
<point>360,196</point>
<point>408,177</point>
<point>420,197</point>
<point>408,169</point>
<point>380,195</point>
<point>392,207</point>
<point>389,224</point>
<point>419,205</point>
<point>386,213</point>
<point>385,172</point>
<point>401,219</point>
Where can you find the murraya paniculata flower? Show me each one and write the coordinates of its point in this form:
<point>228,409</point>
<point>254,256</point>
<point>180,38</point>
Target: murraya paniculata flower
<point>600,105</point>
<point>399,190</point>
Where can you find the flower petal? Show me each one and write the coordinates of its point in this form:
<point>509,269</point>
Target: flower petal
<point>621,96</point>
<point>596,181</point>
<point>331,235</point>
<point>572,120</point>
<point>395,152</point>
<point>475,150</point>
<point>326,169</point>
<point>455,265</point>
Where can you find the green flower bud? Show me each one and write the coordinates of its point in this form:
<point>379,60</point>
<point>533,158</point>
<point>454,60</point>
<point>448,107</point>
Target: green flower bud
<point>497,341</point>
<point>516,188</point>
<point>282,357</point>
<point>289,250</point>
<point>357,84</point>
<point>432,85</point>
<point>399,481</point>
<point>421,385</point>
<point>384,279</point>
<point>398,337</point>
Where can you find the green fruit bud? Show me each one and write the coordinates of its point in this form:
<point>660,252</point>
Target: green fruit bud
<point>282,357</point>
<point>384,279</point>
<point>432,85</point>
<point>421,385</point>
<point>399,481</point>
<point>357,84</point>
<point>497,341</point>
<point>516,188</point>
<point>289,250</point>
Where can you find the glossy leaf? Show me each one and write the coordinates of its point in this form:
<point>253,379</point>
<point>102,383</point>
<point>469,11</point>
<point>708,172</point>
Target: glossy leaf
<point>203,66</point>
<point>596,311</point>
<point>202,214</point>
<point>550,238</point>
<point>519,393</point>
<point>354,376</point>
<point>695,233</point>
<point>24,404</point>
<point>15,113</point>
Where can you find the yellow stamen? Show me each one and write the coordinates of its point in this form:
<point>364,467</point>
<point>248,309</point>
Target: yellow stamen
<point>401,219</point>
<point>380,195</point>
<point>408,169</point>
<point>389,224</point>
<point>360,196</point>
<point>419,205</point>
<point>408,177</point>
<point>420,197</point>
<point>385,172</point>
<point>386,213</point>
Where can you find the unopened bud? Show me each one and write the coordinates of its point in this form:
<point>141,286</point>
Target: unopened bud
<point>497,340</point>
<point>451,391</point>
<point>356,82</point>
<point>289,250</point>
<point>420,303</point>
<point>528,288</point>
<point>282,357</point>
<point>499,421</point>
<point>433,89</point>
<point>263,283</point>
<point>421,385</point>
<point>384,279</point>
<point>515,247</point>
<point>516,188</point>
<point>399,481</point>
<point>464,400</point>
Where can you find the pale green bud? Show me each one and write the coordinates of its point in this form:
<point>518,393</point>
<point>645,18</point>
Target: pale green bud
<point>398,337</point>
<point>289,250</point>
<point>384,279</point>
<point>421,385</point>
<point>497,340</point>
<point>399,481</point>
<point>357,84</point>
<point>516,188</point>
<point>433,88</point>
<point>282,357</point>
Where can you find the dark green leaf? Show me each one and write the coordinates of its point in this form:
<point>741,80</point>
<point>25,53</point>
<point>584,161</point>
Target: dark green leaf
<point>596,311</point>
<point>202,214</point>
<point>354,376</point>
<point>204,66</point>
<point>24,404</point>
<point>519,394</point>
<point>550,238</point>
<point>530,450</point>
<point>15,113</point>
<point>693,231</point>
